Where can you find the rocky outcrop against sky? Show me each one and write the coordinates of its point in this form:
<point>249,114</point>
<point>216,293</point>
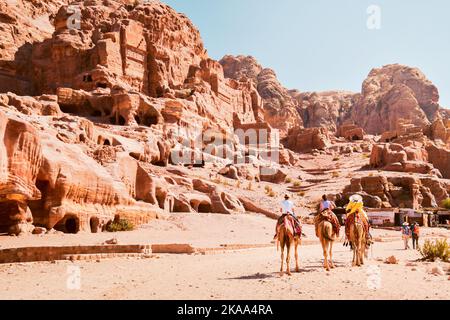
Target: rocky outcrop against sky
<point>394,92</point>
<point>279,107</point>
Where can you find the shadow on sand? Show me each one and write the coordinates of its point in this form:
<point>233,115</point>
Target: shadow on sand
<point>262,276</point>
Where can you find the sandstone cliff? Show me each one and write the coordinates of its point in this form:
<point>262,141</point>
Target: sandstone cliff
<point>279,107</point>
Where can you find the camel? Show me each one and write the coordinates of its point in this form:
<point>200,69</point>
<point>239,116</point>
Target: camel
<point>327,237</point>
<point>286,239</point>
<point>357,233</point>
<point>358,241</point>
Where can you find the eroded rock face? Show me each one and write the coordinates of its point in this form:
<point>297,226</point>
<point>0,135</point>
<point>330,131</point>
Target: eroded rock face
<point>91,117</point>
<point>395,92</point>
<point>279,107</point>
<point>439,130</point>
<point>305,140</point>
<point>328,109</point>
<point>351,132</point>
<point>395,157</point>
<point>20,160</point>
<point>403,192</point>
<point>440,158</point>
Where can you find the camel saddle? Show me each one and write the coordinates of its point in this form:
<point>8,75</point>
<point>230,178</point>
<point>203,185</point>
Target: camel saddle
<point>291,224</point>
<point>330,217</point>
<point>359,218</point>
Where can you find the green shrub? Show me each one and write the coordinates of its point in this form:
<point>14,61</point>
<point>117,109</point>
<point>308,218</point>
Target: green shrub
<point>446,203</point>
<point>288,180</point>
<point>120,225</point>
<point>297,183</point>
<point>430,251</point>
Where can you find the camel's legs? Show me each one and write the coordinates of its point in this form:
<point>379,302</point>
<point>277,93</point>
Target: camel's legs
<point>363,249</point>
<point>297,269</point>
<point>282,255</point>
<point>325,254</point>
<point>288,258</point>
<point>331,255</point>
<point>358,254</point>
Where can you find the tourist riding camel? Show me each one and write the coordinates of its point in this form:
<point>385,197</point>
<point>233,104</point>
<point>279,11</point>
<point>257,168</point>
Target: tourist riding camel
<point>287,238</point>
<point>287,209</point>
<point>355,210</point>
<point>326,214</point>
<point>357,229</point>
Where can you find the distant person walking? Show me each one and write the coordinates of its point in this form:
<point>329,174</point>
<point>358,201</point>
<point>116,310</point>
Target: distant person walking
<point>406,234</point>
<point>415,232</point>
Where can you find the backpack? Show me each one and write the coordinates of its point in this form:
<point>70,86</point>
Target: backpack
<point>405,230</point>
<point>416,230</point>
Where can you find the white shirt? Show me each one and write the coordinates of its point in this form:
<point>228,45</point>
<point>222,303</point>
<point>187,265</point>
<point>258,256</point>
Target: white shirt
<point>287,207</point>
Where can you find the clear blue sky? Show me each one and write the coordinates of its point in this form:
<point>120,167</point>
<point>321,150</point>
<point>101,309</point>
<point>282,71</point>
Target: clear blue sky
<point>318,45</point>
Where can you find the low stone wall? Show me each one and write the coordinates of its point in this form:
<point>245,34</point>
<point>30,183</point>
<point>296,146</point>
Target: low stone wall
<point>32,254</point>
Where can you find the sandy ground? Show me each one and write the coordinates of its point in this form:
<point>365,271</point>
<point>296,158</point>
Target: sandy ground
<point>245,274</point>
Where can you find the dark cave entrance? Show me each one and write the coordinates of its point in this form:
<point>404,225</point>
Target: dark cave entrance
<point>94,223</point>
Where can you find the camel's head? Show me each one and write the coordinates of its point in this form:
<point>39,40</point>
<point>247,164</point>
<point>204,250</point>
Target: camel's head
<point>356,204</point>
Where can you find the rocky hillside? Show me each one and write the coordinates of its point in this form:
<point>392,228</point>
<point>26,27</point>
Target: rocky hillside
<point>279,107</point>
<point>107,107</point>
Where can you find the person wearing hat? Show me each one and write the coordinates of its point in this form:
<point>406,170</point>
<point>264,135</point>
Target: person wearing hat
<point>287,207</point>
<point>406,234</point>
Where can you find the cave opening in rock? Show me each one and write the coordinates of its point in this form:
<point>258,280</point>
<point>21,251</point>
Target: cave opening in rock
<point>150,120</point>
<point>71,225</point>
<point>87,78</point>
<point>94,223</point>
<point>96,113</point>
<point>355,138</point>
<point>121,121</point>
<point>101,85</point>
<point>204,207</point>
<point>137,119</point>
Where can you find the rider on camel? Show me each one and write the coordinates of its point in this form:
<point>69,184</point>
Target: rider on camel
<point>326,213</point>
<point>355,210</point>
<point>287,208</point>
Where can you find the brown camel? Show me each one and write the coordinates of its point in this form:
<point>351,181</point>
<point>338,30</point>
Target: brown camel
<point>358,240</point>
<point>327,237</point>
<point>286,239</point>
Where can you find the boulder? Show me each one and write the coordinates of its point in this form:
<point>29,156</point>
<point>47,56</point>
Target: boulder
<point>305,140</point>
<point>271,175</point>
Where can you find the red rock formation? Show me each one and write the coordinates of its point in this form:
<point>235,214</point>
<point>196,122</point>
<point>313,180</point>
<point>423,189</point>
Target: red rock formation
<point>279,107</point>
<point>439,130</point>
<point>403,192</point>
<point>350,132</point>
<point>394,92</point>
<point>440,158</point>
<point>20,160</point>
<point>395,157</point>
<point>328,109</point>
<point>305,140</point>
